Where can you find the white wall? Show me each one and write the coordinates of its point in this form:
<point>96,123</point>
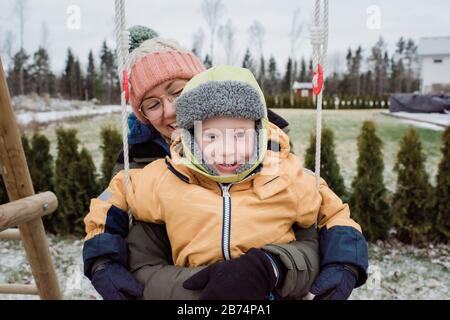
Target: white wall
<point>434,73</point>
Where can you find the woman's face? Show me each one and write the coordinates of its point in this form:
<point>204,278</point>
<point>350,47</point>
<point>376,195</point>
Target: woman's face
<point>158,105</point>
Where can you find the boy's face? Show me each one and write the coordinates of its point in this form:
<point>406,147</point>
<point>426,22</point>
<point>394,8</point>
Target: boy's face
<point>226,143</point>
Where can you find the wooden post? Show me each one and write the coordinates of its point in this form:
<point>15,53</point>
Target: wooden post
<point>16,177</point>
<point>18,288</point>
<point>23,210</point>
<point>10,234</point>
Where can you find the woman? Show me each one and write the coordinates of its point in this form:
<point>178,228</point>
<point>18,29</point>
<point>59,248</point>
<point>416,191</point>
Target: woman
<point>159,70</point>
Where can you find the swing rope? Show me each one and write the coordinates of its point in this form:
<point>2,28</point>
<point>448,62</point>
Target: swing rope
<point>122,43</point>
<point>319,42</point>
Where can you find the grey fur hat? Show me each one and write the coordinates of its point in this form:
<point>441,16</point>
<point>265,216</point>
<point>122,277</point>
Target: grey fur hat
<point>222,91</point>
<point>220,97</point>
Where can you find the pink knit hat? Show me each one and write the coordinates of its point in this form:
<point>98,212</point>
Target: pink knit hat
<point>154,68</point>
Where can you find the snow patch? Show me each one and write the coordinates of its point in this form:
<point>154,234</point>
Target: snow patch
<point>396,271</point>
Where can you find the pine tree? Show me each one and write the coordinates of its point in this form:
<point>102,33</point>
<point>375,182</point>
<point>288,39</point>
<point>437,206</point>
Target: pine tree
<point>411,201</point>
<point>62,220</point>
<point>262,73</point>
<point>310,68</point>
<point>356,69</point>
<point>78,80</point>
<point>27,150</point>
<point>442,193</point>
<point>273,76</point>
<point>207,62</point>
<point>108,74</point>
<point>368,200</point>
<point>111,146</point>
<point>91,77</point>
<point>84,179</point>
<point>75,185</point>
<point>69,78</point>
<point>329,167</point>
<point>248,60</point>
<point>303,77</point>
<point>287,77</point>
<point>40,72</point>
<point>18,76</point>
<point>41,166</point>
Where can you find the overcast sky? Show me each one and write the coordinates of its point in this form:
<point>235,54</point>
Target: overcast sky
<point>180,19</point>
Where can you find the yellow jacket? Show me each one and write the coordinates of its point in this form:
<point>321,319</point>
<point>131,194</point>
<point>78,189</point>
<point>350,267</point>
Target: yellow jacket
<point>207,221</point>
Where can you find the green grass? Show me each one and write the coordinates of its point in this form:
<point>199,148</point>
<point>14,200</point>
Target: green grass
<point>345,124</point>
<point>88,133</point>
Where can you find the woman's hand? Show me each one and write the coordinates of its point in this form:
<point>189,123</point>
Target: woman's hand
<point>335,282</point>
<point>114,282</point>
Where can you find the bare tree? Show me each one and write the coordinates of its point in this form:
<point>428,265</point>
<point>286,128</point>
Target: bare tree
<point>295,35</point>
<point>20,9</point>
<point>213,11</point>
<point>377,65</point>
<point>8,45</point>
<point>226,35</point>
<point>336,62</point>
<point>411,58</point>
<point>45,35</point>
<point>256,34</point>
<point>198,39</point>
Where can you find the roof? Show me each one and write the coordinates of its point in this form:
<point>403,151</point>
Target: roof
<point>434,46</point>
<point>302,85</point>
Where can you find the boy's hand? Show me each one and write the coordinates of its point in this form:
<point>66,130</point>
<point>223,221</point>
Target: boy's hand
<point>114,282</point>
<point>335,282</point>
<point>249,277</point>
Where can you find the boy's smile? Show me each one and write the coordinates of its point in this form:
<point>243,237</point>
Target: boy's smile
<point>226,143</point>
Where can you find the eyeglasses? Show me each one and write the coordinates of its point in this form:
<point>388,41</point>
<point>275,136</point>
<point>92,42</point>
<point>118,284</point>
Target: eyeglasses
<point>153,108</point>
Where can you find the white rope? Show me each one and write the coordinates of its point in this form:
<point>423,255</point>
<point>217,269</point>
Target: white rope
<point>319,41</point>
<point>122,45</point>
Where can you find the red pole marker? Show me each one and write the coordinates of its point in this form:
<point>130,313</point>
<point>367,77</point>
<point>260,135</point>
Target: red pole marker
<point>125,84</point>
<point>318,80</point>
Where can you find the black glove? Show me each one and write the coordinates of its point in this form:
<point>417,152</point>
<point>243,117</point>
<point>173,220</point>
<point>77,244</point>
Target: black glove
<point>114,282</point>
<point>250,277</point>
<point>335,282</point>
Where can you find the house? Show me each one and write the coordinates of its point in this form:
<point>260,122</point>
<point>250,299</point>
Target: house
<point>434,55</point>
<point>303,89</point>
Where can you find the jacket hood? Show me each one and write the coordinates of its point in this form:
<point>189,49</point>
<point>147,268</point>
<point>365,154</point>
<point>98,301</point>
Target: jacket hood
<point>222,91</point>
<point>270,163</point>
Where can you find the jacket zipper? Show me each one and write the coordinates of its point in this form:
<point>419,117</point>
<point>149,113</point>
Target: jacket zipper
<point>226,224</point>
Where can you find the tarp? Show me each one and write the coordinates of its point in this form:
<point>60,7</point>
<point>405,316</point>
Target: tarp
<point>417,103</point>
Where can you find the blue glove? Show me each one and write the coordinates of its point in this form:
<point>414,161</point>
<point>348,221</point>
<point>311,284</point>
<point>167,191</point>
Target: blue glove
<point>114,282</point>
<point>335,282</point>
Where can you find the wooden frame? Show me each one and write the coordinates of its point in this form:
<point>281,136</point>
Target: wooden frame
<point>16,176</point>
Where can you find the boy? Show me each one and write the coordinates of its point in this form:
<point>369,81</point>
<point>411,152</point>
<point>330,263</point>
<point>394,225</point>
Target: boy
<point>223,195</point>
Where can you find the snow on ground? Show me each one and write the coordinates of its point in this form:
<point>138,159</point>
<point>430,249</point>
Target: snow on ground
<point>433,121</point>
<point>35,103</point>
<point>35,109</point>
<point>396,271</point>
<point>51,116</point>
<point>423,125</point>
